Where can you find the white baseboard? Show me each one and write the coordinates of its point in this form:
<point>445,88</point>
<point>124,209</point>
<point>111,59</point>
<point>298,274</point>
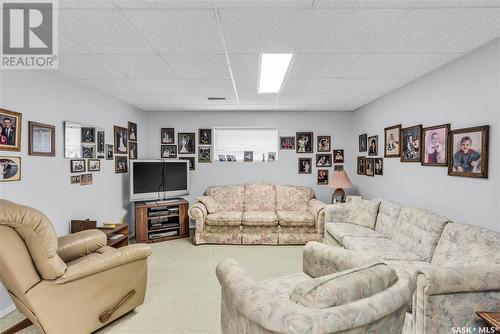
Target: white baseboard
<point>7,310</point>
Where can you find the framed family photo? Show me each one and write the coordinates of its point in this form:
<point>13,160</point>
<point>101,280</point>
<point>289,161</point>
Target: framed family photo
<point>94,165</point>
<point>338,156</point>
<point>86,179</point>
<point>10,130</point>
<point>204,154</point>
<point>100,144</point>
<point>88,135</point>
<point>361,165</point>
<point>75,179</point>
<point>324,143</point>
<point>392,147</point>
<point>247,156</point>
<point>362,140</point>
<point>169,151</point>
<point>435,145</point>
<point>41,139</point>
<point>205,136</point>
<point>10,169</point>
<point>323,160</point>
<point>132,131</point>
<point>411,140</point>
<point>191,162</point>
<point>379,166</point>
<point>370,166</point>
<point>304,142</point>
<point>109,152</point>
<point>121,164</point>
<point>322,178</point>
<point>338,168</point>
<point>120,139</point>
<point>132,150</point>
<point>167,135</point>
<point>468,152</point>
<point>287,143</point>
<point>305,166</point>
<point>373,145</point>
<point>186,142</point>
<point>77,166</point>
<point>89,151</point>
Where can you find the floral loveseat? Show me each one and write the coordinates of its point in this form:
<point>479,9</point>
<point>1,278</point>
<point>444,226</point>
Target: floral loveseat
<point>457,266</point>
<point>258,213</point>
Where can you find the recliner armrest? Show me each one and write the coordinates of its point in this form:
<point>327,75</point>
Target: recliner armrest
<point>101,262</point>
<point>198,212</point>
<point>73,246</point>
<point>316,208</point>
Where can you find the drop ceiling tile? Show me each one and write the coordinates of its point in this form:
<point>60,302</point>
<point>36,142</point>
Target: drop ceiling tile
<point>162,86</point>
<point>65,46</point>
<point>230,98</point>
<point>87,4</point>
<point>334,99</point>
<point>231,107</point>
<point>244,65</point>
<point>246,85</point>
<point>289,99</point>
<point>211,87</point>
<point>396,65</point>
<point>307,86</point>
<point>178,31</point>
<point>366,85</point>
<point>180,99</point>
<point>138,99</point>
<point>155,107</point>
<point>101,31</point>
<point>207,66</point>
<point>320,65</point>
<point>139,66</point>
<point>116,86</point>
<point>266,99</point>
<point>252,30</point>
<point>137,4</point>
<point>86,67</point>
<point>366,4</point>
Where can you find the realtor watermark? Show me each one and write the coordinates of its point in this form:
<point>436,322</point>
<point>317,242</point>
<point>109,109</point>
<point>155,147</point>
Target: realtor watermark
<point>472,330</point>
<point>29,39</point>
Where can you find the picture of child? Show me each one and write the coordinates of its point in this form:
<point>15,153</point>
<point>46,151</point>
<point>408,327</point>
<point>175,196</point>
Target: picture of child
<point>467,159</point>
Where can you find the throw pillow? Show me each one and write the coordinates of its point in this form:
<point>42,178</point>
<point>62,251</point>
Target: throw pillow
<point>344,287</point>
<point>363,212</point>
<point>210,203</point>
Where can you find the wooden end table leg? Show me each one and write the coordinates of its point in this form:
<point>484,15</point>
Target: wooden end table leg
<point>18,327</point>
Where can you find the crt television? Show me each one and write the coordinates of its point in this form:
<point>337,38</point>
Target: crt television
<point>152,180</point>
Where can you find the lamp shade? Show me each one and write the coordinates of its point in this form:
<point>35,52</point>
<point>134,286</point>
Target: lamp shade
<point>340,180</point>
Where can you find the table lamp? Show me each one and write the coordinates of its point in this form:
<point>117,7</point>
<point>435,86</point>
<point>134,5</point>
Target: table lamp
<point>339,181</point>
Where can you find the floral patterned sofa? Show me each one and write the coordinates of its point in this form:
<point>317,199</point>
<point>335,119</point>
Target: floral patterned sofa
<point>258,213</point>
<point>457,266</point>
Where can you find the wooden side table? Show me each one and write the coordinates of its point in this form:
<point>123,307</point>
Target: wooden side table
<point>118,236</point>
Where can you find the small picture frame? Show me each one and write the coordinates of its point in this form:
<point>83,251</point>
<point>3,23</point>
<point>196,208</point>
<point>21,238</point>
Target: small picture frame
<point>305,166</point>
<point>186,143</point>
<point>205,136</point>
<point>304,142</point>
<point>392,141</point>
<point>86,179</point>
<point>10,169</point>
<point>370,166</point>
<point>231,158</point>
<point>248,156</point>
<point>93,165</point>
<point>362,142</point>
<point>324,144</point>
<point>89,151</point>
<point>77,166</point>
<point>338,156</point>
<point>361,165</point>
<point>379,166</point>
<point>322,177</point>
<point>120,140</point>
<point>271,156</point>
<point>323,160</point>
<point>468,152</point>
<point>435,145</point>
<point>204,154</point>
<point>287,143</point>
<point>41,139</point>
<point>88,135</point>
<point>132,131</point>
<point>222,158</point>
<point>373,145</point>
<point>10,130</point>
<point>132,150</point>
<point>100,144</point>
<point>121,164</point>
<point>167,135</point>
<point>338,168</point>
<point>169,151</point>
<point>109,152</point>
<point>75,179</point>
<point>191,162</point>
<point>411,150</point>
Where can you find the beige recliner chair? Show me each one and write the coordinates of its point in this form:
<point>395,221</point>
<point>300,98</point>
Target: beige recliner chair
<point>71,284</point>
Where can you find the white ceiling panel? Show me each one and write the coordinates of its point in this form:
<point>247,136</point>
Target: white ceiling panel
<point>199,66</point>
<point>116,86</point>
<point>244,65</point>
<point>263,30</point>
<point>178,31</point>
<point>180,99</point>
<point>141,4</point>
<point>87,4</point>
<point>86,67</point>
<point>307,86</point>
<point>321,65</point>
<point>246,86</point>
<point>214,87</point>
<point>162,86</point>
<point>101,31</point>
<point>67,47</point>
<point>366,86</point>
<point>139,66</point>
<point>266,99</point>
<point>136,99</point>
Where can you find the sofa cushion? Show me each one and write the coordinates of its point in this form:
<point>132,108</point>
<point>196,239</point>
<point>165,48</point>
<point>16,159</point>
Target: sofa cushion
<point>462,244</point>
<point>259,218</point>
<point>381,248</point>
<point>341,230</point>
<point>295,218</point>
<point>363,212</point>
<point>229,198</point>
<point>210,203</point>
<point>387,218</point>
<point>225,218</point>
<point>281,287</point>
<point>260,197</point>
<point>418,231</point>
<point>293,198</point>
<point>344,287</point>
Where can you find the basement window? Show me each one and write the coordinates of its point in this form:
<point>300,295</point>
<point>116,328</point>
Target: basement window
<point>236,143</point>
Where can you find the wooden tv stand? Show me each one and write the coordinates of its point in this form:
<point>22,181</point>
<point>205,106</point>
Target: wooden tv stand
<point>161,221</point>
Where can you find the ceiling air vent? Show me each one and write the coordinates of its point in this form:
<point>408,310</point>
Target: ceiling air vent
<point>214,98</point>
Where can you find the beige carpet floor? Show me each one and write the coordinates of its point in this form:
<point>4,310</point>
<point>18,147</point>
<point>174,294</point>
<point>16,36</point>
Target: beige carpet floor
<point>183,293</point>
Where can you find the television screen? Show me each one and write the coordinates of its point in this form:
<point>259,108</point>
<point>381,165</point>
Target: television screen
<point>156,179</point>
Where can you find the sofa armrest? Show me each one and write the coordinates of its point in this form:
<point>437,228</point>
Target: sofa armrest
<point>336,213</point>
<point>320,259</point>
<point>316,208</point>
<point>97,263</point>
<point>198,212</point>
<point>73,246</point>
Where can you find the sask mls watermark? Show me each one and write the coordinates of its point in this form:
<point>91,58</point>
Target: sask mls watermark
<point>29,40</point>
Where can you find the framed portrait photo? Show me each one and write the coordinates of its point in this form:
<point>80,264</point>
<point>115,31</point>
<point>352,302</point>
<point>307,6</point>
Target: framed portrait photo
<point>10,169</point>
<point>41,139</point>
<point>121,164</point>
<point>370,166</point>
<point>167,135</point>
<point>88,135</point>
<point>271,156</point>
<point>322,177</point>
<point>10,130</point>
<point>411,150</point>
<point>304,142</point>
<point>186,142</point>
<point>324,144</point>
<point>205,136</point>
<point>305,166</point>
<point>204,154</point>
<point>86,179</point>
<point>100,144</point>
<point>132,131</point>
<point>191,162</point>
<point>323,160</point>
<point>435,145</point>
<point>287,143</point>
<point>109,152</point>
<point>120,139</point>
<point>362,142</point>
<point>338,168</point>
<point>132,150</point>
<point>373,145</point>
<point>169,151</point>
<point>75,179</point>
<point>89,151</point>
<point>93,165</point>
<point>468,152</point>
<point>77,166</point>
<point>379,166</point>
<point>338,156</point>
<point>361,165</point>
<point>392,146</point>
<point>248,156</point>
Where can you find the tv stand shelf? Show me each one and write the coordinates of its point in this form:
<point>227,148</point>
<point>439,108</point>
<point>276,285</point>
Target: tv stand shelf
<point>149,217</point>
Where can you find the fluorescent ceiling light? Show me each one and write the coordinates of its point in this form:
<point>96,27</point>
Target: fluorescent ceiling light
<point>273,67</point>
